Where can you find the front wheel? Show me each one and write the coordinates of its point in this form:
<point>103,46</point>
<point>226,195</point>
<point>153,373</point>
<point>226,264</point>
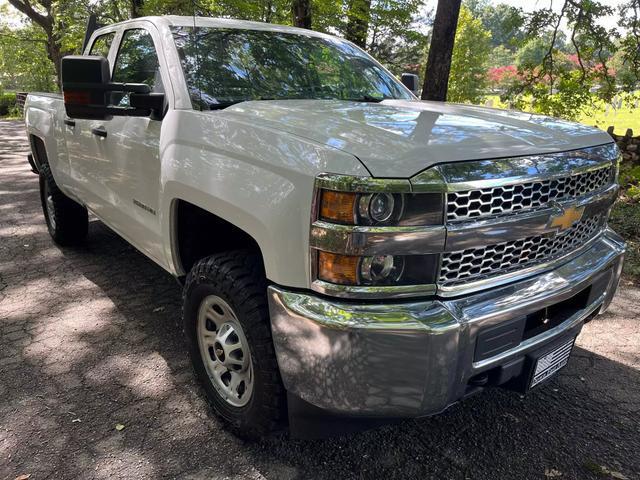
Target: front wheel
<point>226,321</point>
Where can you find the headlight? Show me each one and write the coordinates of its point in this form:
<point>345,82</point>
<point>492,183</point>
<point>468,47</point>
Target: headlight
<point>381,208</point>
<point>375,238</point>
<point>377,270</point>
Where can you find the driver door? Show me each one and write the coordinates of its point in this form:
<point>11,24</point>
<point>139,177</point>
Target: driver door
<point>128,160</point>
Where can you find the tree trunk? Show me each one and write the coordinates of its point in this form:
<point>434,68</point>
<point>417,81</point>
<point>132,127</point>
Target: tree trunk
<point>436,77</point>
<point>358,16</point>
<point>55,55</point>
<point>301,13</point>
<point>136,8</point>
<point>46,22</point>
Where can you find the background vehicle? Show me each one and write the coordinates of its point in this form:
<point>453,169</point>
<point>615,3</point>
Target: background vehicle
<point>346,250</point>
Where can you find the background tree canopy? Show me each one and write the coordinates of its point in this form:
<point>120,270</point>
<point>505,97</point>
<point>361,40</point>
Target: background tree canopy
<point>559,61</point>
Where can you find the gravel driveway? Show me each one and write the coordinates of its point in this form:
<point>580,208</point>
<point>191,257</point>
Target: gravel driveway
<point>95,382</point>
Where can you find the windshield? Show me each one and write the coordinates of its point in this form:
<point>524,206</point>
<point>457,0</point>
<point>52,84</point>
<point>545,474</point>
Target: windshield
<point>226,66</point>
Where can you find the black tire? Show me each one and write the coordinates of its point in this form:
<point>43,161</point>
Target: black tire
<point>238,278</point>
<point>67,220</point>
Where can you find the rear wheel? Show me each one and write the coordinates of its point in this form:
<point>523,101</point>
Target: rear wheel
<point>226,321</point>
<point>67,220</point>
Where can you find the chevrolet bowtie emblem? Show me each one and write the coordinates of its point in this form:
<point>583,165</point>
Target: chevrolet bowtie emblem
<point>567,218</point>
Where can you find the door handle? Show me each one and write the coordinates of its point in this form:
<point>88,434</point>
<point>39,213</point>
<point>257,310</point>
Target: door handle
<point>69,123</point>
<point>99,131</point>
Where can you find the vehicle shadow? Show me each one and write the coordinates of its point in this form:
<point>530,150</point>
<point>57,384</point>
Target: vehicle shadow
<point>128,366</point>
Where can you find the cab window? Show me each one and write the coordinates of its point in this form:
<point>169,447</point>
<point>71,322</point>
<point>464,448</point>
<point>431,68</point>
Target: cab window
<point>137,62</point>
<point>102,44</point>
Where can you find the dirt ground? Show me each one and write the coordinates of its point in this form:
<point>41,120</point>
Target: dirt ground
<point>89,344</point>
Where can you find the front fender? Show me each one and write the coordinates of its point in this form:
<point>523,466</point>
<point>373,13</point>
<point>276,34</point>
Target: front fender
<point>258,179</point>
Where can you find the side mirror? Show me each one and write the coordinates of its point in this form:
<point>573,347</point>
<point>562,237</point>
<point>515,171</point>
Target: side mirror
<point>412,82</point>
<point>86,87</point>
<point>84,82</point>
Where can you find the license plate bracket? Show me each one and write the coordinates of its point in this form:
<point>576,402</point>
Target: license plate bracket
<point>550,362</point>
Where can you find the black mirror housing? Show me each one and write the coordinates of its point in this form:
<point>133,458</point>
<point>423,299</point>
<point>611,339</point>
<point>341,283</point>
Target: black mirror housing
<point>84,81</point>
<point>411,81</point>
<point>85,69</point>
<point>86,84</point>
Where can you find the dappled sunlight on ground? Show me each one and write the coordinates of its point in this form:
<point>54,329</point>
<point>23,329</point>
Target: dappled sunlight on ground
<point>89,339</point>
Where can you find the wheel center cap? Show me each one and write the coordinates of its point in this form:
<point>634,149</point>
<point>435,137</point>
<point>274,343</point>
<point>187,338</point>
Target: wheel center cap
<point>219,351</point>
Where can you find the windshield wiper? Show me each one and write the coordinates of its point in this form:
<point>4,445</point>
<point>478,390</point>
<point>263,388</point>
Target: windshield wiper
<point>223,105</point>
<point>366,98</point>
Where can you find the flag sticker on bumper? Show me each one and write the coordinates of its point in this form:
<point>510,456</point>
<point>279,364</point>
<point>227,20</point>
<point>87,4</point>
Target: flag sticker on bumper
<point>550,363</point>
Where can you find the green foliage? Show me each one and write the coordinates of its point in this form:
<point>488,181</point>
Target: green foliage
<point>501,56</point>
<point>172,7</point>
<point>390,41</point>
<point>548,47</point>
<point>532,53</point>
<point>634,192</point>
<point>629,48</point>
<point>7,103</point>
<point>629,175</point>
<point>569,99</point>
<point>24,65</point>
<point>625,219</point>
<point>468,79</point>
<point>505,24</point>
<point>564,74</point>
<point>627,71</point>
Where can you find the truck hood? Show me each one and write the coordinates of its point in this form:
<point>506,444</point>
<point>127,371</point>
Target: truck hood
<point>399,138</point>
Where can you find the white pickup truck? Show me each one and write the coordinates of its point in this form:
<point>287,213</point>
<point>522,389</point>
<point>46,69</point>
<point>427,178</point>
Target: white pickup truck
<point>349,253</point>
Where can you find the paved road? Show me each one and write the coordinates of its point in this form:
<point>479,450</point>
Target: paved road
<point>88,340</point>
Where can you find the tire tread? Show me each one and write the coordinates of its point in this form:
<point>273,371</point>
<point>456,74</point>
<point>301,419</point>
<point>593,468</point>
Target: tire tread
<point>239,276</point>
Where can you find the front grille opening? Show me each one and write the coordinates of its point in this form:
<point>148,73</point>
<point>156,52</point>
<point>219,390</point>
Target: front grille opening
<point>494,260</point>
<point>508,199</point>
<point>550,317</point>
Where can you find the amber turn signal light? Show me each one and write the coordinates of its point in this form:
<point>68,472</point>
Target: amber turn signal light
<point>340,269</point>
<point>337,206</point>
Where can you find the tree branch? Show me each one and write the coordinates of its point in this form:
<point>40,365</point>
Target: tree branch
<point>25,7</point>
<point>22,39</point>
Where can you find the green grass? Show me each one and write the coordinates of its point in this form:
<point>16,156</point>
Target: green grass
<point>601,117</point>
<point>622,119</point>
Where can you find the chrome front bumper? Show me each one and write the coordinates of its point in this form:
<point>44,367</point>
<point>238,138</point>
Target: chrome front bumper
<point>407,359</point>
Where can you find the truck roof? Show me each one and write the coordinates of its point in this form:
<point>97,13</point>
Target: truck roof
<point>188,21</point>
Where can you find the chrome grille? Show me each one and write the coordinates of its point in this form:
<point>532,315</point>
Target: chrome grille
<point>480,263</point>
<point>512,198</point>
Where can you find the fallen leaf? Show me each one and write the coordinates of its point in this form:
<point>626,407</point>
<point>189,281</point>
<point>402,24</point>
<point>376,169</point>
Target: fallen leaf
<point>552,473</point>
<point>618,475</point>
<point>76,420</point>
<point>119,427</point>
<point>511,416</point>
<point>159,309</point>
<point>26,476</point>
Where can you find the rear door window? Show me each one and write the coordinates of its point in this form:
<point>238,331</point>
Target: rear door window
<point>102,45</point>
